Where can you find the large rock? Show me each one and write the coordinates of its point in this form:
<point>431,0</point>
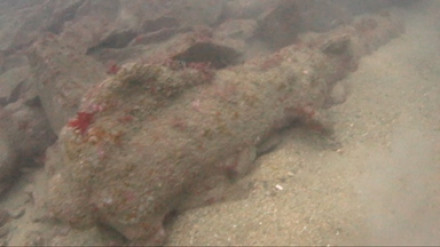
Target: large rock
<point>28,131</point>
<point>159,137</point>
<point>24,136</point>
<point>88,25</point>
<point>20,23</point>
<point>24,130</point>
<point>61,76</point>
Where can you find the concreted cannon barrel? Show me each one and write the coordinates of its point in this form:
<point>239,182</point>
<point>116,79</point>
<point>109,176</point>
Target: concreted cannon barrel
<point>157,137</point>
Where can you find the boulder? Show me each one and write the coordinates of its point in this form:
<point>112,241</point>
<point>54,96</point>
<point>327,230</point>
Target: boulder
<point>157,138</point>
<point>61,76</point>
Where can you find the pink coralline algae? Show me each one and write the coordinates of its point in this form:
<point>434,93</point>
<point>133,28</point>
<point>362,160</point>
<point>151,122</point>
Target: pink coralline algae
<point>112,67</point>
<point>82,121</point>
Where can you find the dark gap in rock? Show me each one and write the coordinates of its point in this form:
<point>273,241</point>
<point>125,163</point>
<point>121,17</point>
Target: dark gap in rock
<point>15,94</point>
<point>112,234</point>
<point>115,40</point>
<point>34,102</point>
<point>170,218</point>
<point>216,56</point>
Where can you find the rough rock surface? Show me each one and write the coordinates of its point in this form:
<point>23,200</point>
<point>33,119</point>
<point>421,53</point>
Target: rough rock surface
<point>27,129</point>
<point>45,64</point>
<point>61,77</point>
<point>7,163</point>
<point>25,135</point>
<point>158,137</point>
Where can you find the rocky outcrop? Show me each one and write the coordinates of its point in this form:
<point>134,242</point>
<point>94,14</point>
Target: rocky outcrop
<point>157,137</point>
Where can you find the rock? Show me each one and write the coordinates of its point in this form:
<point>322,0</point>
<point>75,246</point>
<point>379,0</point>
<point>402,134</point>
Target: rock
<point>186,13</point>
<point>244,9</point>
<point>24,136</point>
<point>4,217</point>
<point>11,83</point>
<point>8,165</point>
<point>157,137</point>
<point>12,61</point>
<point>139,120</point>
<point>280,26</point>
<point>140,22</point>
<point>91,237</point>
<point>90,24</point>
<point>236,33</point>
<point>4,231</point>
<point>21,22</point>
<point>34,238</point>
<point>322,16</point>
<point>338,95</point>
<point>4,225</point>
<point>63,12</point>
<point>17,213</point>
<point>61,76</point>
<point>29,133</point>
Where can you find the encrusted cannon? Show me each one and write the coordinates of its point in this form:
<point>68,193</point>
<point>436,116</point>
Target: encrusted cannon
<point>157,137</point>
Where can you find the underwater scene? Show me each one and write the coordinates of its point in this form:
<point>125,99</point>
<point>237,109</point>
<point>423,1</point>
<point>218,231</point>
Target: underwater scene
<point>219,122</point>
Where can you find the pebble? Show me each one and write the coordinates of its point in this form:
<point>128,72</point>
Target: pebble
<point>279,187</point>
